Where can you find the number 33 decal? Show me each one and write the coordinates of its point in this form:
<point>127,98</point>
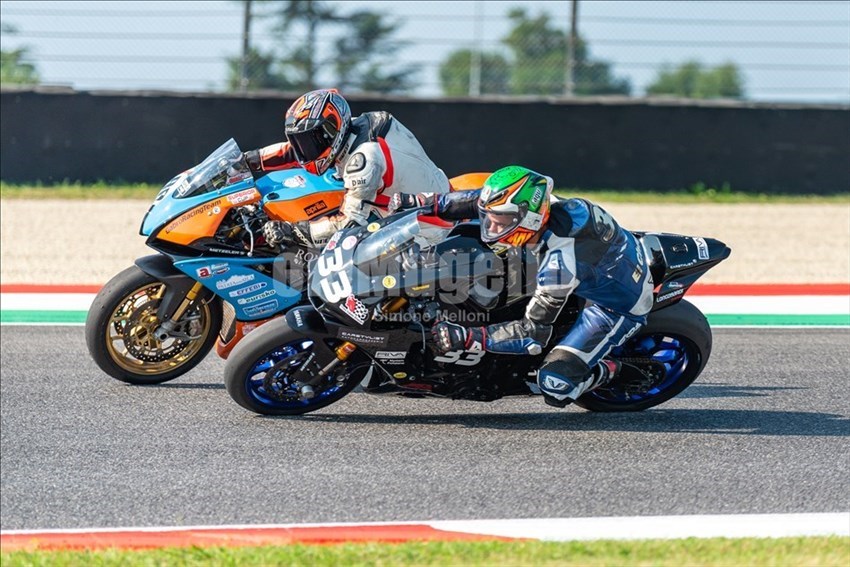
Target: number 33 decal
<point>338,287</point>
<point>461,357</point>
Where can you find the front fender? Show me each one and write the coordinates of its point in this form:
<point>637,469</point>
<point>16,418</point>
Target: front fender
<point>177,284</point>
<point>307,321</point>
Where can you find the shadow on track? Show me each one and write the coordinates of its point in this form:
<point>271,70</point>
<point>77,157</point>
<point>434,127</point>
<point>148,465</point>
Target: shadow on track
<point>185,386</point>
<point>722,390</point>
<point>708,421</point>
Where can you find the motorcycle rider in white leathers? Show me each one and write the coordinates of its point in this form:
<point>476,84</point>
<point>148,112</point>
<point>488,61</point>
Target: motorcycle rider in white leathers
<point>374,153</point>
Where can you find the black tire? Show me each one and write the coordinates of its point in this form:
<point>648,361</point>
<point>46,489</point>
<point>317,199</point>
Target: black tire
<point>257,346</point>
<point>682,320</point>
<point>99,323</point>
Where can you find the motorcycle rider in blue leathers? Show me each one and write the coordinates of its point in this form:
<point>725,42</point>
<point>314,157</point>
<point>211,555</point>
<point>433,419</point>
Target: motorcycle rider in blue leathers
<point>580,249</point>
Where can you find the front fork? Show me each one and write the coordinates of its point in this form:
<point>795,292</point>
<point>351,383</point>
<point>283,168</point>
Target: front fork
<point>341,353</point>
<point>168,327</point>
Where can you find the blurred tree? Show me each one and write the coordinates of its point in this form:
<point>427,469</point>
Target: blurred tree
<point>455,72</point>
<point>14,70</point>
<point>364,56</point>
<point>539,60</point>
<point>301,63</point>
<point>263,72</point>
<point>691,80</point>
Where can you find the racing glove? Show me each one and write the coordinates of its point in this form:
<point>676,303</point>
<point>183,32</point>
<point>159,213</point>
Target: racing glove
<point>407,201</point>
<point>450,336</point>
<point>279,233</point>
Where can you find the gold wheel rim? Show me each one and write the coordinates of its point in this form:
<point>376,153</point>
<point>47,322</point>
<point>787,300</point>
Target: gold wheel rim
<point>130,338</point>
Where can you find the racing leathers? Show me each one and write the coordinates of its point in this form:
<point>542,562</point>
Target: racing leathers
<point>582,250</point>
<point>380,158</point>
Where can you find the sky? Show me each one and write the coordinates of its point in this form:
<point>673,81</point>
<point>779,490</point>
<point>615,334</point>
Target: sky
<point>788,51</point>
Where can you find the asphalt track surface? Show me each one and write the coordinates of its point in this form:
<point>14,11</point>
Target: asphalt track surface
<point>764,430</point>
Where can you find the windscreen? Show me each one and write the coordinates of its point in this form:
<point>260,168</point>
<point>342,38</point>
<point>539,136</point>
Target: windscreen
<point>388,240</point>
<point>223,167</point>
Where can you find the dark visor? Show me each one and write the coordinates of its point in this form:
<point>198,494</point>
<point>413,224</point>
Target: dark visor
<point>310,145</point>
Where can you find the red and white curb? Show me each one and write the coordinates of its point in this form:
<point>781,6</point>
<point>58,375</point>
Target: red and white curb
<point>547,529</point>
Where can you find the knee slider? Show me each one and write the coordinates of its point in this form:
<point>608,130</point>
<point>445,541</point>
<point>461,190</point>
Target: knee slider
<point>560,372</point>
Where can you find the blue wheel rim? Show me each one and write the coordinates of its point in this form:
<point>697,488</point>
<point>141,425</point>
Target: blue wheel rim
<point>255,379</point>
<point>676,354</point>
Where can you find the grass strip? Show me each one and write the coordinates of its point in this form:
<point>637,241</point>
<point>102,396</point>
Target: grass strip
<point>11,316</point>
<point>770,320</point>
<point>812,551</point>
<point>696,195</point>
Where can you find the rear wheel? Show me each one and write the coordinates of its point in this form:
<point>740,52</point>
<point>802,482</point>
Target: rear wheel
<point>120,331</point>
<point>663,359</point>
<point>259,373</point>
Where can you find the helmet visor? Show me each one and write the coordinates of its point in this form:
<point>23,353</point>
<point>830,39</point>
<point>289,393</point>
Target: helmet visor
<point>310,145</point>
<point>495,225</point>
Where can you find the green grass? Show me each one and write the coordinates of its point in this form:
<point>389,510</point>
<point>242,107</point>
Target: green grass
<point>814,551</point>
<point>697,194</point>
<point>79,191</point>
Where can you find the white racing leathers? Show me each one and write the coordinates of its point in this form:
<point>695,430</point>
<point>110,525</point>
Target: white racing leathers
<point>381,158</point>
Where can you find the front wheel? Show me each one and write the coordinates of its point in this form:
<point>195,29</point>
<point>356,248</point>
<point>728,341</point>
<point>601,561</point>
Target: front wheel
<point>258,373</point>
<point>663,359</point>
<point>120,331</point>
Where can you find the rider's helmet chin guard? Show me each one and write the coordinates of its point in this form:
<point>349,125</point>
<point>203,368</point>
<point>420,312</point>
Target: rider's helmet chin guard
<point>513,206</point>
<point>316,126</point>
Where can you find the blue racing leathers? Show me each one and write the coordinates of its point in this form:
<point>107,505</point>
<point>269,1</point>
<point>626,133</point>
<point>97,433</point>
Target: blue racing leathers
<point>582,251</point>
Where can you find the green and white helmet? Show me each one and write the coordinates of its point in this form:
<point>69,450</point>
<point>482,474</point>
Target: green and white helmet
<point>514,205</point>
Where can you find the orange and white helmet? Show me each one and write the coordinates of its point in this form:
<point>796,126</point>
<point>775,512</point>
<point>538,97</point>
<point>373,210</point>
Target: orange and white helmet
<point>316,126</point>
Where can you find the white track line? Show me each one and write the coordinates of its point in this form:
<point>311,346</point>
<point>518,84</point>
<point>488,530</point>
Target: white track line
<point>574,529</point>
<point>661,527</point>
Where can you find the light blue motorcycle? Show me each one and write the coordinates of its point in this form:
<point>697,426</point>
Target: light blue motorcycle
<point>213,278</point>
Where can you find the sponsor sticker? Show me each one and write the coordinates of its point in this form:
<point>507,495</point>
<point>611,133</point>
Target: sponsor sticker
<point>255,298</point>
<point>671,295</point>
<point>362,337</point>
<point>391,357</point>
<point>242,197</point>
<point>233,281</point>
<point>674,285</point>
<point>226,251</point>
<point>315,208</point>
<point>213,270</point>
<point>248,327</point>
<point>373,227</point>
<point>295,181</point>
<point>298,320</point>
<point>702,248</point>
<point>349,242</point>
<point>262,308</point>
<point>249,289</point>
<point>683,265</point>
<point>333,240</point>
<point>205,208</point>
<point>355,309</point>
<point>389,282</point>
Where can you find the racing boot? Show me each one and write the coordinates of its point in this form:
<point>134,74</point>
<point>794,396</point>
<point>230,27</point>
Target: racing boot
<point>602,374</point>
